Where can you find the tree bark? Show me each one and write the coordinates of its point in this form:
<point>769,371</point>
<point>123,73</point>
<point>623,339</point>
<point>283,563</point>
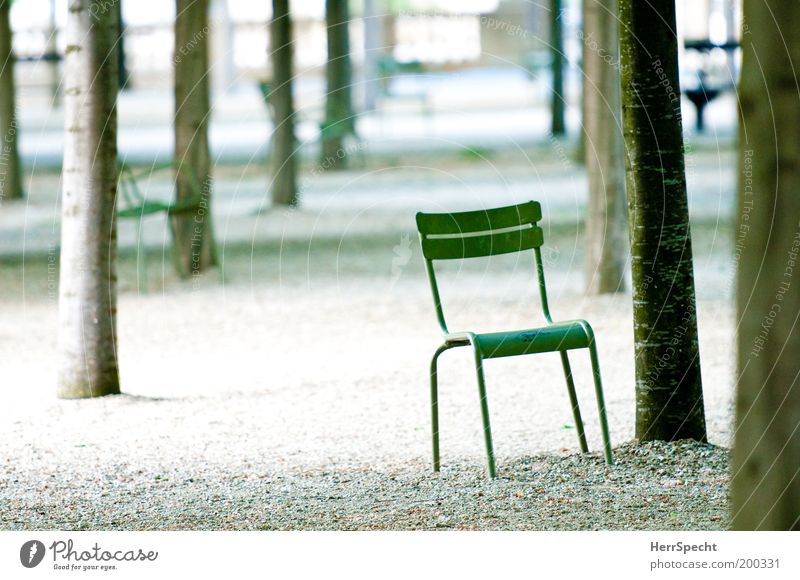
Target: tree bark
<point>88,291</point>
<point>339,121</point>
<point>669,394</point>
<point>10,170</point>
<point>194,245</point>
<point>557,105</point>
<point>284,145</point>
<point>766,451</point>
<point>606,232</point>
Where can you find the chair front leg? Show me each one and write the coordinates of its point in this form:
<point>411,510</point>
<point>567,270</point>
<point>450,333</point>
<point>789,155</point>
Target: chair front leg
<point>435,404</point>
<point>487,428</point>
<point>601,405</point>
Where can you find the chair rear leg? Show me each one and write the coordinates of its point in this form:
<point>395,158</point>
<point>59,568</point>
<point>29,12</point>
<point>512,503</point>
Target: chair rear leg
<point>601,405</point>
<point>573,399</point>
<point>435,406</point>
<point>487,428</point>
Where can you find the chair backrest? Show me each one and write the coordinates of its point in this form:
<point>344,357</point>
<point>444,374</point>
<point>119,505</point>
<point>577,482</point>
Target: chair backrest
<point>475,234</point>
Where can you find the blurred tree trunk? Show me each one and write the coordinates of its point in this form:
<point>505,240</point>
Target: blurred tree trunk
<point>606,231</point>
<point>339,121</point>
<point>194,244</point>
<point>669,394</point>
<point>557,104</point>
<point>389,32</point>
<point>51,49</point>
<point>766,451</point>
<point>10,171</point>
<point>284,166</point>
<point>88,291</point>
<point>580,145</point>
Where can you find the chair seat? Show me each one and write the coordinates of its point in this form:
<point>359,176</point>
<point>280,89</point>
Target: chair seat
<point>554,337</point>
<point>143,209</point>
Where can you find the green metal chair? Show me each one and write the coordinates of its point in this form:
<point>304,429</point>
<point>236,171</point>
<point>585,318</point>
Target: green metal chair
<point>473,234</point>
<point>133,204</point>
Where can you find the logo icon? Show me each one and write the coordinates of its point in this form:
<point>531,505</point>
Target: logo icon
<point>31,553</point>
<point>401,258</point>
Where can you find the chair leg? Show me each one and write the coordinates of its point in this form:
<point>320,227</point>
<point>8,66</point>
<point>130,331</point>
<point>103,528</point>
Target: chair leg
<point>435,406</point>
<point>141,264</point>
<point>601,405</point>
<point>573,399</point>
<point>487,428</point>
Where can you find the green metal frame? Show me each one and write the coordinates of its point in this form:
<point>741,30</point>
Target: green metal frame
<point>132,204</point>
<point>458,236</point>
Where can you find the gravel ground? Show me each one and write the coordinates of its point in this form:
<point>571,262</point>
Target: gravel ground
<point>294,395</point>
<point>231,422</point>
<point>655,486</point>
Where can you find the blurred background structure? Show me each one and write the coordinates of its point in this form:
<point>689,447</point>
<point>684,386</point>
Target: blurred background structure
<point>474,71</point>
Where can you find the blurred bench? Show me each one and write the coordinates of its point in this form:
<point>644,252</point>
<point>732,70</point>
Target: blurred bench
<point>132,204</point>
<point>391,74</point>
<point>391,70</point>
<point>341,130</point>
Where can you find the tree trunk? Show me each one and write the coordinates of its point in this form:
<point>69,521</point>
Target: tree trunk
<point>194,245</point>
<point>669,394</point>
<point>339,121</point>
<point>88,286</point>
<point>557,104</point>
<point>10,172</point>
<point>606,234</point>
<point>284,145</point>
<point>766,451</point>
